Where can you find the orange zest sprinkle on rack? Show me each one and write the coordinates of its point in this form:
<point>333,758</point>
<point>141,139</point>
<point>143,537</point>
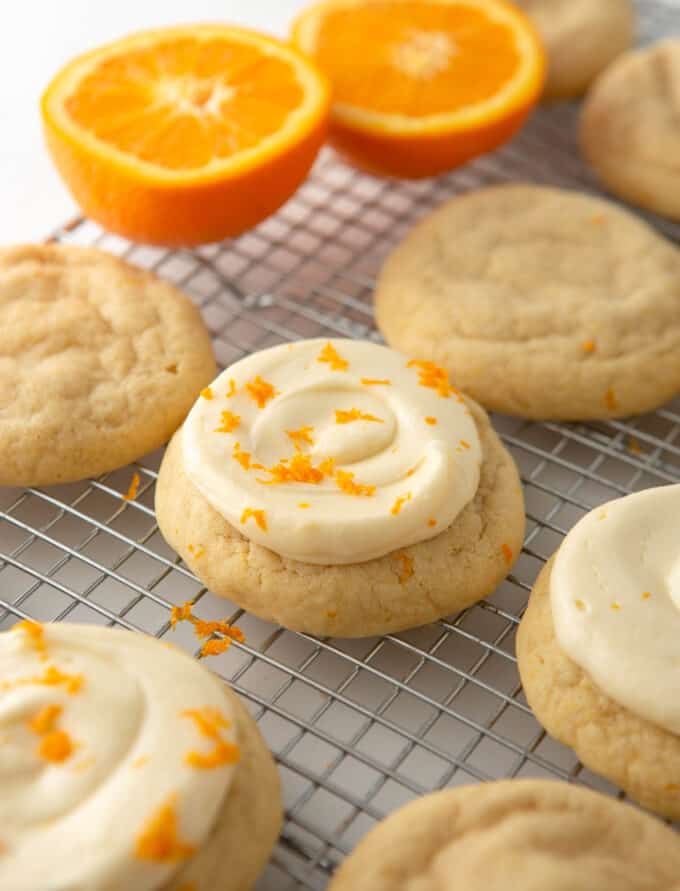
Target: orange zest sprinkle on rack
<point>406,570</point>
<point>434,377</point>
<point>375,381</point>
<point>399,503</point>
<point>232,388</point>
<point>345,482</point>
<point>43,722</point>
<point>354,414</point>
<point>210,723</point>
<point>300,436</point>
<point>299,470</point>
<point>35,633</point>
<point>243,458</point>
<point>228,422</point>
<point>159,840</point>
<point>257,515</point>
<point>634,446</point>
<point>507,553</point>
<point>260,391</point>
<point>207,393</point>
<point>180,613</point>
<point>133,488</point>
<point>332,358</point>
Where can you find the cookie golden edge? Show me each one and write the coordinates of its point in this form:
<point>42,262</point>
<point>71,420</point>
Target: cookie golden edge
<point>603,124</point>
<point>574,386</point>
<point>453,570</point>
<point>631,752</point>
<point>402,851</point>
<point>249,823</point>
<point>70,457</point>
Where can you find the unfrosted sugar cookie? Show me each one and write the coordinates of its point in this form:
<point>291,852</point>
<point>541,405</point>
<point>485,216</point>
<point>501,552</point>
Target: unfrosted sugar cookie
<point>581,38</point>
<point>630,128</point>
<point>99,363</point>
<point>598,645</point>
<point>533,835</point>
<point>336,487</point>
<point>124,764</point>
<point>540,302</point>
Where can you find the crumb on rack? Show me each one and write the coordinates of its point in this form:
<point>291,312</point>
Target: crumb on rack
<point>258,515</point>
<point>228,422</point>
<point>332,358</point>
<point>634,446</point>
<point>345,482</point>
<point>133,488</point>
<point>159,839</point>
<point>260,391</point>
<point>399,503</point>
<point>354,414</point>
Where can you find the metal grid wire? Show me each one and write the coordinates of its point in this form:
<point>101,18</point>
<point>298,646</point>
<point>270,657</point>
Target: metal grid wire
<point>358,727</point>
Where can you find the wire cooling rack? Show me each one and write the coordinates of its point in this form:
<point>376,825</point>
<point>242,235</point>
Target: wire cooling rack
<point>358,727</point>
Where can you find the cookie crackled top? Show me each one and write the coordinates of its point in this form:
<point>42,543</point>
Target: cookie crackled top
<point>113,744</point>
<point>333,452</point>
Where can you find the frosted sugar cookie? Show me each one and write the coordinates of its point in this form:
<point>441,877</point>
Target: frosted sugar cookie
<point>99,363</point>
<point>530,834</point>
<point>630,128</point>
<point>124,764</point>
<point>336,487</point>
<point>581,38</point>
<point>540,302</point>
<point>598,645</point>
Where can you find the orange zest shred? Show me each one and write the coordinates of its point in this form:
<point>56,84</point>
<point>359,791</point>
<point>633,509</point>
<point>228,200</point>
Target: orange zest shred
<point>56,746</point>
<point>507,553</point>
<point>43,722</point>
<point>332,358</point>
<point>399,503</point>
<point>616,605</point>
<point>431,421</point>
<point>159,840</point>
<point>346,417</point>
<point>406,570</point>
<point>140,762</point>
<point>210,723</point>
<point>261,391</point>
<point>588,346</point>
<point>646,595</point>
<point>432,522</point>
<point>345,482</point>
<point>299,470</point>
<point>180,613</point>
<point>133,488</point>
<point>228,422</point>
<point>243,458</point>
<point>610,399</point>
<point>434,377</point>
<point>597,218</point>
<point>198,551</point>
<point>465,444</point>
<point>300,436</point>
<point>634,446</point>
<point>374,381</point>
<point>232,388</point>
<point>51,677</point>
<point>304,504</point>
<point>207,393</point>
<point>257,515</point>
<point>35,633</point>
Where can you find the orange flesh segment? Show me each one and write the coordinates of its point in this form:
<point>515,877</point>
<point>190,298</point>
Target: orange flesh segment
<point>424,59</point>
<point>183,103</point>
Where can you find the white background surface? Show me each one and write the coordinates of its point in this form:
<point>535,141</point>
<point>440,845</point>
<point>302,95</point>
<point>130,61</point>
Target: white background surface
<point>36,38</point>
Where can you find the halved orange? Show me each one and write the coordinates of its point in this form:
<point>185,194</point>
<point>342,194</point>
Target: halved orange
<point>185,135</point>
<point>421,86</point>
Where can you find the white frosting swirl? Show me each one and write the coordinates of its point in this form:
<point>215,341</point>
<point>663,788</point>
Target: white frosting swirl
<point>100,789</point>
<point>396,430</point>
<point>615,597</point>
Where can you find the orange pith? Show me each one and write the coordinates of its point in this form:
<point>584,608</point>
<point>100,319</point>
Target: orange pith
<point>420,86</point>
<point>185,135</point>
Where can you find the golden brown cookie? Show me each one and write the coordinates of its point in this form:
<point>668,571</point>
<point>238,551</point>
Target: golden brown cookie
<point>532,835</point>
<point>99,363</point>
<point>403,589</point>
<point>581,38</point>
<point>638,756</point>
<point>540,302</point>
<point>630,128</point>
